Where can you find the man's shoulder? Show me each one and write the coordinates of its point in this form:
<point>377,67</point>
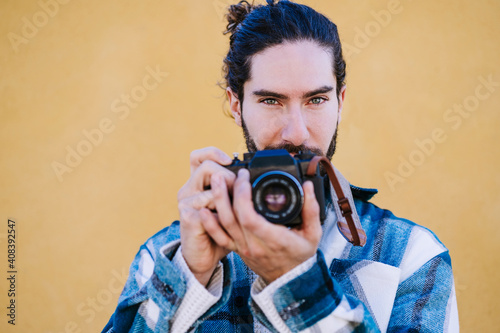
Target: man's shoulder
<point>163,237</point>
<point>394,240</point>
<point>382,221</point>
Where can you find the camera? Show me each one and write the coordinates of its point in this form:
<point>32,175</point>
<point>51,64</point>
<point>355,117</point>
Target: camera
<point>276,178</point>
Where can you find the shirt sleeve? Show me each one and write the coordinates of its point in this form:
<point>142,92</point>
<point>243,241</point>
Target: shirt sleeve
<point>262,293</point>
<point>197,299</point>
<point>156,288</point>
<point>316,301</point>
<point>426,300</point>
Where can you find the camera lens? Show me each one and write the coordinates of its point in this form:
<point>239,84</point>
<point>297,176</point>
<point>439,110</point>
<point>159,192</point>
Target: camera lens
<point>278,196</point>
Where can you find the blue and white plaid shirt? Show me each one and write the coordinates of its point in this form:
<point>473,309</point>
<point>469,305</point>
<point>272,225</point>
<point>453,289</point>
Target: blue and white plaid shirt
<point>400,281</point>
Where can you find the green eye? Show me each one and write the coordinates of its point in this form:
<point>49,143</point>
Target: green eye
<point>270,101</point>
<point>317,100</point>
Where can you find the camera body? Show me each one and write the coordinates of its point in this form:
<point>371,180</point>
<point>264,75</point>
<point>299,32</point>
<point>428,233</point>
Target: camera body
<point>276,178</point>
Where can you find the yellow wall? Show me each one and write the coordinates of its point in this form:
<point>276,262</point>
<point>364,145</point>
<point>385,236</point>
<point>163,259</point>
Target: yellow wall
<point>77,235</point>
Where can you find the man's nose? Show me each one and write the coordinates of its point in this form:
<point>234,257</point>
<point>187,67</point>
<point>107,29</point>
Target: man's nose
<point>295,129</point>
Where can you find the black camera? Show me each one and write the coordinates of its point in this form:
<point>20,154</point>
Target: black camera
<point>277,178</point>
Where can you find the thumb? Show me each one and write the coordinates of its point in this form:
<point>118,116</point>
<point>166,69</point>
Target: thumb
<point>311,225</point>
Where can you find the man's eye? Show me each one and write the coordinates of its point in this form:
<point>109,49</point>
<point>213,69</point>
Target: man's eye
<point>270,101</point>
<point>317,100</point>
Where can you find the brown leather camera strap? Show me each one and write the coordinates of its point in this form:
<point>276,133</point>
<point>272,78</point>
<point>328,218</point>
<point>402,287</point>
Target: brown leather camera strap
<point>351,230</point>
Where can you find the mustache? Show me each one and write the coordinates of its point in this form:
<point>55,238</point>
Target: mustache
<point>293,149</point>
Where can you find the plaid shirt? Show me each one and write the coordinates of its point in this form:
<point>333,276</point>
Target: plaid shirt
<point>400,281</point>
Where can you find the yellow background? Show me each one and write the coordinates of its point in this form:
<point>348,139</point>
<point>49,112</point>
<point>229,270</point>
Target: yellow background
<point>76,237</point>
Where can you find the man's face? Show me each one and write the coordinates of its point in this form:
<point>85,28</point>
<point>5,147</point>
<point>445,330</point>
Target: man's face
<point>290,100</point>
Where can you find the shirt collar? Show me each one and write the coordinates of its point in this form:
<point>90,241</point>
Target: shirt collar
<point>364,194</point>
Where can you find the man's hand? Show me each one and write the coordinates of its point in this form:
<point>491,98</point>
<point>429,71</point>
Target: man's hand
<point>270,250</point>
<point>200,252</point>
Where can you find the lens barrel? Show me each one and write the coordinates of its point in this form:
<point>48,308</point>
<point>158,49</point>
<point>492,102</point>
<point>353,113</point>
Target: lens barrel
<point>278,196</point>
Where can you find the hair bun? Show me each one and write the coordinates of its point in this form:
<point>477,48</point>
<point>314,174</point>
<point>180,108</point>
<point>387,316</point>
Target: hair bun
<point>236,14</point>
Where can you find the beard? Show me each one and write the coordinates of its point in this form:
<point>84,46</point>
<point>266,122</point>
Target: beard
<point>292,149</point>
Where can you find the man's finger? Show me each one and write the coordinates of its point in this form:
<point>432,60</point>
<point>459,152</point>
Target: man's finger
<point>204,174</point>
<point>197,201</point>
<point>201,177</point>
<point>225,211</point>
<point>215,231</point>
<point>311,225</point>
<point>197,157</point>
<point>243,206</point>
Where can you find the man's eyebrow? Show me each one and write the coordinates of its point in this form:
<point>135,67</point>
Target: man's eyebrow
<point>322,90</point>
<point>269,93</point>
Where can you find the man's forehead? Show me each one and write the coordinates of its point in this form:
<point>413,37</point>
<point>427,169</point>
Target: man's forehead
<point>293,68</point>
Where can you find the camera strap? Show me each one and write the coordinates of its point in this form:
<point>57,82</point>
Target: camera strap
<point>350,228</point>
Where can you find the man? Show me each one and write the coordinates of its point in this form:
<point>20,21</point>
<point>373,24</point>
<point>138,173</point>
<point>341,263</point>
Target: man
<point>225,268</point>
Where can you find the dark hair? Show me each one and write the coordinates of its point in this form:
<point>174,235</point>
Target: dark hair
<point>255,28</point>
